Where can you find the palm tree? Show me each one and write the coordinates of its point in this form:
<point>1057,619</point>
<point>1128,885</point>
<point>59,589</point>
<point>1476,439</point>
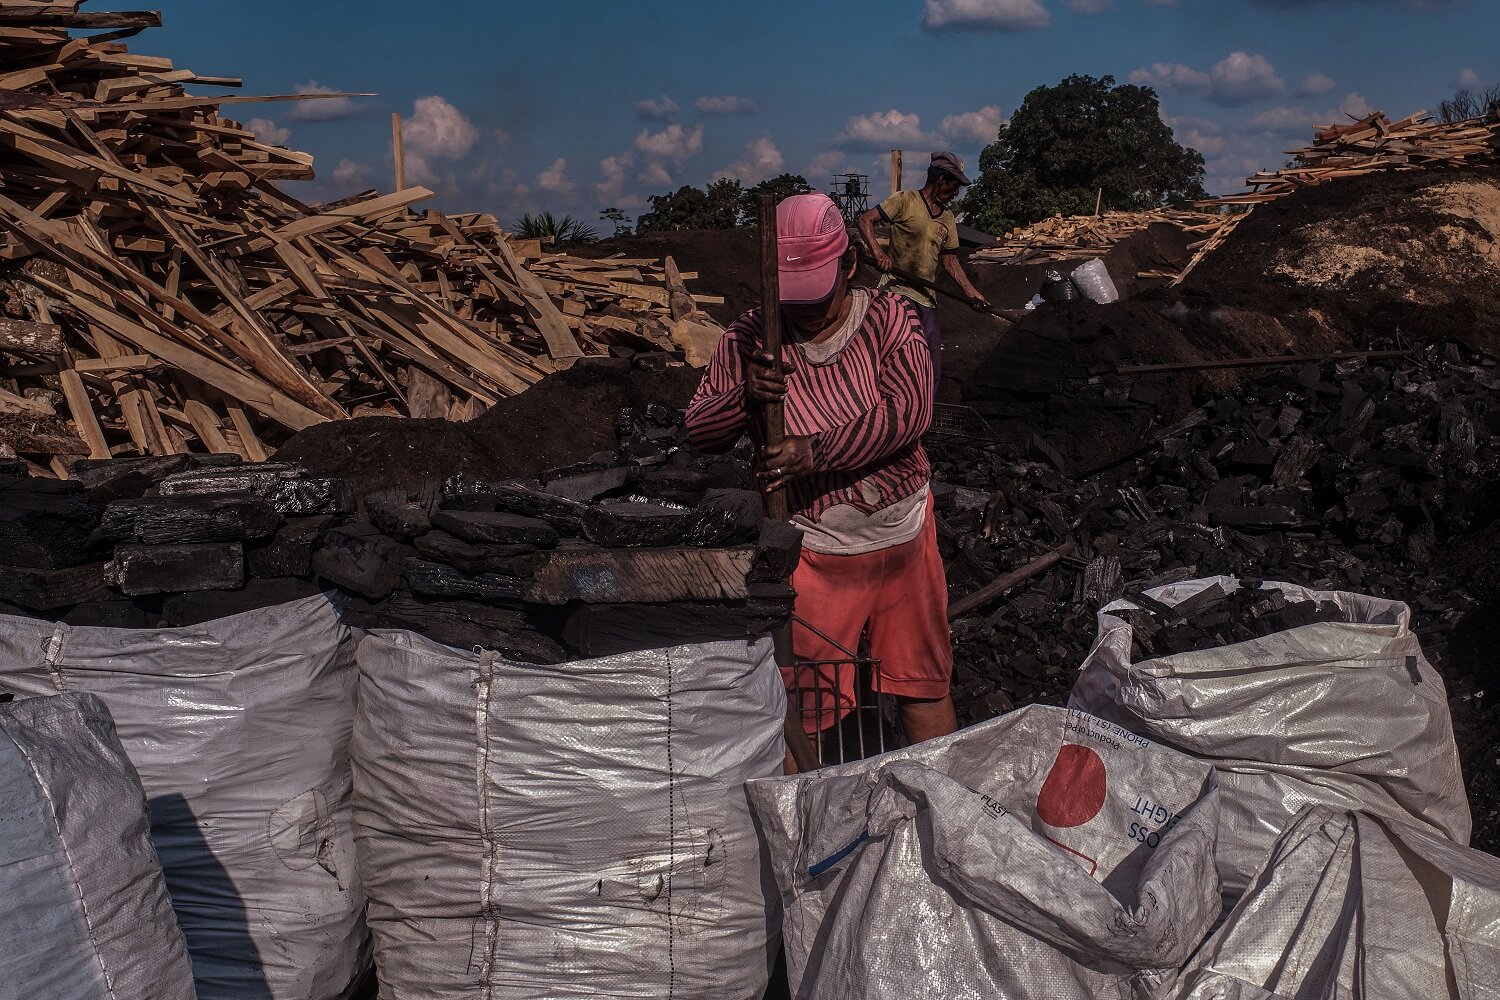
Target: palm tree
<point>555,230</point>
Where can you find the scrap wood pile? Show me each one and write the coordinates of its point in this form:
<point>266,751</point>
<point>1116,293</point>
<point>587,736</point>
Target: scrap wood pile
<point>641,547</point>
<point>159,294</point>
<point>1083,237</point>
<point>1372,144</point>
<point>1352,475</point>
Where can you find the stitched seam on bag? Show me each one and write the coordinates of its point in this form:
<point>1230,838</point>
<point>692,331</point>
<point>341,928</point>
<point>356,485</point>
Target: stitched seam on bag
<point>671,840</point>
<point>485,688</point>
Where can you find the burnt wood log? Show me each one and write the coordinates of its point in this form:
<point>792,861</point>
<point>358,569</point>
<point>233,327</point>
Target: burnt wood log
<point>45,523</point>
<point>777,552</point>
<point>189,519</point>
<point>432,579</point>
<point>462,624</point>
<point>290,550</point>
<point>176,569</point>
<point>496,528</point>
<point>358,557</point>
<point>471,558</point>
<point>623,524</point>
<point>47,589</point>
<point>286,487</point>
<point>642,575</point>
<point>589,486</point>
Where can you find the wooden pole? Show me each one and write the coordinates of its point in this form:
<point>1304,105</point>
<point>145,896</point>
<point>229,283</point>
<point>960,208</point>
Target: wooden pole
<point>895,170</point>
<point>1098,201</point>
<point>773,417</point>
<point>996,588</point>
<point>400,151</point>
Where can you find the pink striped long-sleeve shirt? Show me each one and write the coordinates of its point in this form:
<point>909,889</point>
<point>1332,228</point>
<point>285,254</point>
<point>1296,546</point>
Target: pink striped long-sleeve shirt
<point>865,410</point>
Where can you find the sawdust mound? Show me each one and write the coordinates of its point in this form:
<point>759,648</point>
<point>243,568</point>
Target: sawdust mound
<point>1413,254</point>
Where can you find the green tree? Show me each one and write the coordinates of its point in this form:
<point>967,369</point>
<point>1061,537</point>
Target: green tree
<point>618,219</point>
<point>780,187</point>
<point>1066,143</point>
<point>555,230</point>
<point>694,208</point>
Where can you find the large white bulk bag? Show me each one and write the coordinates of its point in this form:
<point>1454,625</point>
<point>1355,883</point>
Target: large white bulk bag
<point>572,830</point>
<point>1354,907</point>
<point>84,913</point>
<point>1347,714</point>
<point>239,729</point>
<point>1044,855</point>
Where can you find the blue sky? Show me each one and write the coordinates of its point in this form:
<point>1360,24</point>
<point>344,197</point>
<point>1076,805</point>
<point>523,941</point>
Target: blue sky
<point>575,105</point>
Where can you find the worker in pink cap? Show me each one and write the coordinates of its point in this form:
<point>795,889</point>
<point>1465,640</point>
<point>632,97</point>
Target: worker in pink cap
<point>857,385</point>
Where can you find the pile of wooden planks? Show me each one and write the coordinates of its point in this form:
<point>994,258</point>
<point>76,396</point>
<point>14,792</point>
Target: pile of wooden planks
<point>159,294</point>
<point>1082,237</point>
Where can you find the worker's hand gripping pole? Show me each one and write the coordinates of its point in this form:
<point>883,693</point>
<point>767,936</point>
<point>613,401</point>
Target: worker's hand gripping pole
<point>773,418</point>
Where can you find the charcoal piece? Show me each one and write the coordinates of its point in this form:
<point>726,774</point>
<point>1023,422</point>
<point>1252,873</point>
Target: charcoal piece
<point>288,488</point>
<point>183,610</point>
<point>399,516</point>
<point>189,518</point>
<point>45,523</point>
<point>1296,458</point>
<point>622,524</point>
<point>563,514</point>
<point>432,579</point>
<point>47,589</point>
<point>621,576</point>
<point>176,569</point>
<point>1102,581</point>
<point>13,468</point>
<point>499,528</point>
<point>1270,516</point>
<point>1250,456</point>
<point>462,624</point>
<point>290,551</point>
<point>777,551</point>
<point>710,526</point>
<point>589,486</point>
<point>1042,449</point>
<point>111,479</point>
<point>610,629</point>
<point>472,558</point>
<point>358,557</point>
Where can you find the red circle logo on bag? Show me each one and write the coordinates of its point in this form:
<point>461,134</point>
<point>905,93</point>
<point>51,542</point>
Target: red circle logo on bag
<point>1073,793</point>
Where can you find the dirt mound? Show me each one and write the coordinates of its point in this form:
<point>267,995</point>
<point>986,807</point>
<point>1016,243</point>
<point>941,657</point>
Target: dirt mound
<point>562,419</point>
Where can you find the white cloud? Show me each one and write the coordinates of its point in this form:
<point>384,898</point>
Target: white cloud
<point>663,109</point>
<point>554,180</point>
<point>883,130</point>
<point>673,143</point>
<point>436,131</point>
<point>1315,84</point>
<point>1172,76</point>
<point>1242,78</point>
<point>612,179</point>
<point>1090,6</point>
<point>725,104</point>
<point>1355,106</point>
<point>656,174</point>
<point>972,128</point>
<point>826,164</point>
<point>988,15</point>
<point>1467,79</point>
<point>502,136</point>
<point>268,131</point>
<point>326,110</point>
<point>761,160</point>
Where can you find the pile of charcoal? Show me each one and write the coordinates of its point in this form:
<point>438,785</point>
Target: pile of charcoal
<point>1357,475</point>
<point>648,545</point>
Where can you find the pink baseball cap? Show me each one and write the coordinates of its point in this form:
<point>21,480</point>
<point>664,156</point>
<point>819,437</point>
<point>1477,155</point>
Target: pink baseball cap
<point>810,239</point>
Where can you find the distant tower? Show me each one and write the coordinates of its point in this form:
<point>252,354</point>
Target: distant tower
<point>851,192</point>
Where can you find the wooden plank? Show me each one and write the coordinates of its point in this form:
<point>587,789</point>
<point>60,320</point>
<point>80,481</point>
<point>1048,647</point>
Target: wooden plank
<point>82,410</point>
<point>254,449</point>
<point>26,337</point>
<point>206,425</point>
<point>427,398</point>
<point>612,576</point>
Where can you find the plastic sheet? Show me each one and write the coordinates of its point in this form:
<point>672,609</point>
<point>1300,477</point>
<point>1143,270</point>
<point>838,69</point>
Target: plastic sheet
<point>1351,907</point>
<point>1093,281</point>
<point>1344,714</point>
<point>577,830</point>
<point>239,729</point>
<point>85,913</point>
<point>1045,854</point>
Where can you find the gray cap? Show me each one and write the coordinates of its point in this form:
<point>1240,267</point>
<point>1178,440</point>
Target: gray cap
<point>949,163</point>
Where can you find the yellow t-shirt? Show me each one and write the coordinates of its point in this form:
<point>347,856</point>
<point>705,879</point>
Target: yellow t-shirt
<point>918,238</point>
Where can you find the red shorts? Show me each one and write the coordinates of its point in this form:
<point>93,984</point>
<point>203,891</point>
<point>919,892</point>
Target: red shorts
<point>900,595</point>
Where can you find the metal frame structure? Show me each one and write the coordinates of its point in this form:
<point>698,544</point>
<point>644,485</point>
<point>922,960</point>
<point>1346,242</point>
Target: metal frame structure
<point>851,193</point>
<point>836,743</point>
